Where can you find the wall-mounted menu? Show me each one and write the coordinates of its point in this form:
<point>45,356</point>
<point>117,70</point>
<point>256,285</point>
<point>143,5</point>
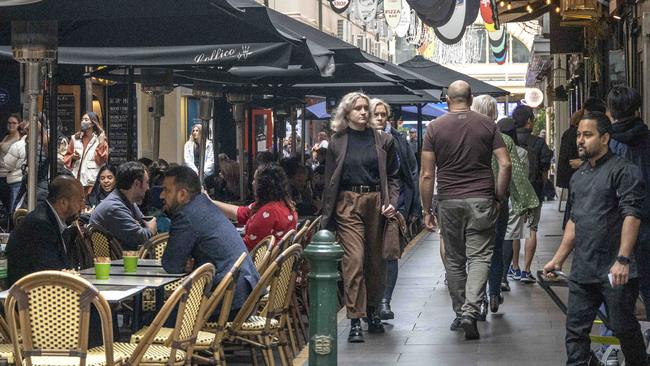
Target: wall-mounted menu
<point>118,118</point>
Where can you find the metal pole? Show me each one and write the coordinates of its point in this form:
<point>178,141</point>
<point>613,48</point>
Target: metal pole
<point>320,15</point>
<point>419,132</point>
<point>238,113</point>
<point>131,120</point>
<point>323,254</point>
<point>88,83</point>
<point>205,111</point>
<point>158,113</point>
<point>303,135</point>
<point>33,90</point>
<point>249,157</point>
<point>54,120</point>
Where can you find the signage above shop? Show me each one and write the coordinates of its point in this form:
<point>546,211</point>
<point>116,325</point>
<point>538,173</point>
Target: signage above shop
<point>366,10</point>
<point>392,12</point>
<point>339,6</point>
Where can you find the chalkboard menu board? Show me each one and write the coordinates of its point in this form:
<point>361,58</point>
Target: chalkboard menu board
<point>67,113</point>
<point>118,118</point>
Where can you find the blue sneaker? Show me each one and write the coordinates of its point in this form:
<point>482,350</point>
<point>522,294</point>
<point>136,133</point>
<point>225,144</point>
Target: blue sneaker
<point>527,277</point>
<point>514,274</point>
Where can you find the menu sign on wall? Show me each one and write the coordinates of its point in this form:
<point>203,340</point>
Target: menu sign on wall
<point>118,118</point>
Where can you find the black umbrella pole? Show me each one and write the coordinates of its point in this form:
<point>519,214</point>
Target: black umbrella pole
<point>419,133</point>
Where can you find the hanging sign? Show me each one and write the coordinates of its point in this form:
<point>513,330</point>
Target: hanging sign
<point>392,12</point>
<point>339,6</point>
<point>366,10</point>
<point>404,20</point>
<point>452,31</point>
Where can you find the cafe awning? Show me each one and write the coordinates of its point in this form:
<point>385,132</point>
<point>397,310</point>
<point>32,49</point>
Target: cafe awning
<point>444,76</point>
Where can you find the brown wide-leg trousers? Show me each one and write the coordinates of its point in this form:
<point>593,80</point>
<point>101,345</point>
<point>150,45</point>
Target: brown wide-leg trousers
<point>359,228</point>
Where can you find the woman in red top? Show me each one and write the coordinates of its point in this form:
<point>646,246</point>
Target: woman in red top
<point>272,213</point>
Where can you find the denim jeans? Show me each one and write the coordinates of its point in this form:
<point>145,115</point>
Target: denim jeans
<point>584,300</point>
<point>496,265</point>
<point>14,188</point>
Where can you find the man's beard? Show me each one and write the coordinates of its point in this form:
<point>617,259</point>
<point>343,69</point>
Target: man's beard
<point>171,210</point>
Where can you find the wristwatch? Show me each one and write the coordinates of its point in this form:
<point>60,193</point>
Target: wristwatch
<point>623,259</point>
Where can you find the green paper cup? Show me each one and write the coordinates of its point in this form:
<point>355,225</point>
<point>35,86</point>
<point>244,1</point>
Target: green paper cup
<point>102,270</point>
<point>130,264</point>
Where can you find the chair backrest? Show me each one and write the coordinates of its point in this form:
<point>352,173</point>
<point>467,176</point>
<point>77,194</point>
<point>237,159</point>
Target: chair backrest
<point>191,298</point>
<point>301,233</point>
<point>19,215</point>
<point>223,295</point>
<point>53,315</point>
<point>261,253</point>
<point>279,279</point>
<point>306,239</point>
<point>154,247</point>
<point>102,242</point>
<point>283,244</point>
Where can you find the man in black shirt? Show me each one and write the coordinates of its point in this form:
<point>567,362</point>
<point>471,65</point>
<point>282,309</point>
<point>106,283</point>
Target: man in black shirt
<point>607,195</point>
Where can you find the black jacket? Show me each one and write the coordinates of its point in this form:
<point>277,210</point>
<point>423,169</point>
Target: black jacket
<point>408,173</point>
<point>568,151</point>
<point>36,244</point>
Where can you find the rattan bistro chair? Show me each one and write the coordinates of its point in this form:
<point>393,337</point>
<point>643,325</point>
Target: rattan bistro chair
<point>190,300</point>
<point>19,215</point>
<point>283,244</point>
<point>267,329</point>
<point>53,314</point>
<point>154,247</point>
<point>211,336</point>
<point>102,242</point>
<point>261,253</point>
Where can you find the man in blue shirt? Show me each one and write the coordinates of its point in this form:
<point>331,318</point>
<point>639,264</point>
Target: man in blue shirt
<point>200,233</point>
<point>119,214</point>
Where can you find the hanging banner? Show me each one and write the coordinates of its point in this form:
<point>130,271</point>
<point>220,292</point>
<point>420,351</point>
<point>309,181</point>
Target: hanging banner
<point>392,12</point>
<point>452,31</point>
<point>339,6</point>
<point>366,10</point>
<point>404,20</point>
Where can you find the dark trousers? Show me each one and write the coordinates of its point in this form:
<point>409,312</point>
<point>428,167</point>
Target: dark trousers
<point>642,253</point>
<point>567,209</point>
<point>584,300</point>
<point>496,265</point>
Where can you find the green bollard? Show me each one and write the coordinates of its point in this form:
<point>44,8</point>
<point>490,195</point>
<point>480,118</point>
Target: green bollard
<point>323,254</point>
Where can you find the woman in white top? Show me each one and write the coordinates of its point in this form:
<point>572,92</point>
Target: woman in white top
<point>87,151</point>
<point>12,158</point>
<point>192,150</point>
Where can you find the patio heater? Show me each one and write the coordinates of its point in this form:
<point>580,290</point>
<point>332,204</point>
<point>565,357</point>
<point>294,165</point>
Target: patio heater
<point>206,94</point>
<point>33,44</point>
<point>157,83</point>
<point>238,102</point>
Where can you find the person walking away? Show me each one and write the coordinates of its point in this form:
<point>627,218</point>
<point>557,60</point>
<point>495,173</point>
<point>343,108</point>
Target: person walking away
<point>87,151</point>
<point>631,140</point>
<point>362,187</point>
<point>607,194</point>
<point>539,162</point>
<point>459,147</point>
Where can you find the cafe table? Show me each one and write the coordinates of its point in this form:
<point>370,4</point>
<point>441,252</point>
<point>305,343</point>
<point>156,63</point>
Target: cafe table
<point>139,272</point>
<point>141,263</point>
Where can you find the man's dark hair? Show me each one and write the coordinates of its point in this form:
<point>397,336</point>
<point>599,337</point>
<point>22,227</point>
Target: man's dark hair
<point>603,124</point>
<point>62,186</point>
<point>522,114</point>
<point>272,185</point>
<point>265,157</point>
<point>128,173</point>
<point>507,126</point>
<point>186,178</point>
<point>594,105</point>
<point>623,101</point>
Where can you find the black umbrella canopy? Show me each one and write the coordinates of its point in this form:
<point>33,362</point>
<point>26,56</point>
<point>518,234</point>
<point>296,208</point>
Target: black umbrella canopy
<point>164,32</point>
<point>445,76</point>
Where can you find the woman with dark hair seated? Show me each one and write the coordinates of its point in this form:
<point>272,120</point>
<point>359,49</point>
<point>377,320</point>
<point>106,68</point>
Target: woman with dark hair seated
<point>272,213</point>
<point>104,184</point>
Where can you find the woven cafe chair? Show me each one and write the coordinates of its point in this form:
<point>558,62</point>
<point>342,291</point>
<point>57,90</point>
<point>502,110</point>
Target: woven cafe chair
<point>306,239</point>
<point>19,215</point>
<point>261,253</point>
<point>6,347</point>
<point>266,329</point>
<point>102,242</point>
<point>154,247</point>
<point>301,233</point>
<point>189,299</point>
<point>52,311</point>
<point>222,294</point>
<point>283,244</point>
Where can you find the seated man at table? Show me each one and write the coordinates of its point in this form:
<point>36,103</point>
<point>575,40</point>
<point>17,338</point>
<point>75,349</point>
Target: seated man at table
<point>200,233</point>
<point>119,214</point>
<point>37,243</point>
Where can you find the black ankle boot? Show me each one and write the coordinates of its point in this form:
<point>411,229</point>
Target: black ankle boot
<point>384,310</point>
<point>356,336</point>
<point>374,321</point>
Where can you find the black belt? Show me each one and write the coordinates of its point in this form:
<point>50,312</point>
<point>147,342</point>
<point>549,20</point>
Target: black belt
<point>362,189</point>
